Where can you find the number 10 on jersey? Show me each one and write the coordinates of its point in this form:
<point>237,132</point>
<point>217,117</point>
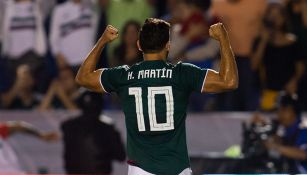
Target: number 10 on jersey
<point>152,91</point>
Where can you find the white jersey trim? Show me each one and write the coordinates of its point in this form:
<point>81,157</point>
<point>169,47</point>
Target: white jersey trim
<point>101,82</point>
<point>202,88</point>
<point>133,170</point>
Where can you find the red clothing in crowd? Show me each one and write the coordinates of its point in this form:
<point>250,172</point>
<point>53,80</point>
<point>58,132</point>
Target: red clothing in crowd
<point>195,18</point>
<point>4,130</point>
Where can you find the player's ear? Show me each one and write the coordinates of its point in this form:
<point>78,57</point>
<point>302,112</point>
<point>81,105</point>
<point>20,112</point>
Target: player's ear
<point>168,46</point>
<point>139,46</point>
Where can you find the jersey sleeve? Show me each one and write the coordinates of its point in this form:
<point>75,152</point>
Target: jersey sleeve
<point>111,78</point>
<point>193,77</point>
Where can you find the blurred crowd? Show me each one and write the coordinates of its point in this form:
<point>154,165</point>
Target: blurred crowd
<point>44,42</point>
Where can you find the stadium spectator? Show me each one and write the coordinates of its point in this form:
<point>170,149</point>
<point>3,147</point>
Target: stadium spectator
<point>277,57</point>
<point>9,163</point>
<point>298,17</point>
<point>3,78</point>
<point>62,93</point>
<point>120,11</point>
<point>21,95</point>
<point>2,3</point>
<point>127,53</point>
<point>73,27</point>
<point>190,36</point>
<point>137,10</point>
<point>292,144</point>
<point>102,23</point>
<point>191,42</point>
<point>171,14</point>
<point>23,36</point>
<point>91,142</point>
<point>243,19</point>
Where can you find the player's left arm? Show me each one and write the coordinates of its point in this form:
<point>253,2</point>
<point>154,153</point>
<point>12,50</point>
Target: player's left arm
<point>227,77</point>
<point>87,75</point>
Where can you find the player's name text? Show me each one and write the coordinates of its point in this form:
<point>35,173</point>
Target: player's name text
<point>151,73</point>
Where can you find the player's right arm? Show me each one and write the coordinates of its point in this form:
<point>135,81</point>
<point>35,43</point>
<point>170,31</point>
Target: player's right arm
<point>227,77</point>
<point>87,75</point>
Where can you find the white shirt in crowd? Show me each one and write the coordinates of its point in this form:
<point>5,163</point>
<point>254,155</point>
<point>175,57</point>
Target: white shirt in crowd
<point>22,28</point>
<point>2,3</point>
<point>73,29</point>
<point>9,163</point>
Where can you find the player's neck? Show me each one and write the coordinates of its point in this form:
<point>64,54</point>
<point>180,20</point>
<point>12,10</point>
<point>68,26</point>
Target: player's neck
<point>154,56</point>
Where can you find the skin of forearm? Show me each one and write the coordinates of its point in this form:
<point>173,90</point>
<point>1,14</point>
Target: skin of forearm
<point>8,97</point>
<point>23,127</point>
<point>45,104</point>
<point>257,57</point>
<point>61,61</point>
<point>292,152</point>
<point>299,71</point>
<point>89,65</point>
<point>228,67</point>
<point>67,102</point>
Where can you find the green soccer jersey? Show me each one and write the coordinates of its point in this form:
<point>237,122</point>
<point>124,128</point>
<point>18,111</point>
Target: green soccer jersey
<point>154,97</point>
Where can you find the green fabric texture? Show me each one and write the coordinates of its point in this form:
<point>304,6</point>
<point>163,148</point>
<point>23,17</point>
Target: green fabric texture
<point>154,96</point>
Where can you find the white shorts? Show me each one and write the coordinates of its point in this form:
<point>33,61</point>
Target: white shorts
<point>133,170</point>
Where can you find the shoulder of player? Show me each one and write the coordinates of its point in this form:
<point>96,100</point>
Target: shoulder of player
<point>120,68</point>
<point>183,65</point>
<point>127,68</point>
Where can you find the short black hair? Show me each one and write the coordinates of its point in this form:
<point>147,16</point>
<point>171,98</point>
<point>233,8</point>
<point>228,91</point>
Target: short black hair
<point>154,35</point>
<point>288,100</point>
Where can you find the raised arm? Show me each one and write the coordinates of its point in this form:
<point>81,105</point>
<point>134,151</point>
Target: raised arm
<point>227,77</point>
<point>257,55</point>
<point>88,76</point>
<point>24,127</point>
<point>8,97</point>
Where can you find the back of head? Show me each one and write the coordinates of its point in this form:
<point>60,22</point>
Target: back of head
<point>154,35</point>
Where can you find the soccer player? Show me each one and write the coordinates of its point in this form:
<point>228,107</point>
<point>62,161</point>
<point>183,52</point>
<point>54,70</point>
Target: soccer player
<point>154,95</point>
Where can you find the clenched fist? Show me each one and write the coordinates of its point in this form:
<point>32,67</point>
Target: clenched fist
<point>217,31</point>
<point>110,34</point>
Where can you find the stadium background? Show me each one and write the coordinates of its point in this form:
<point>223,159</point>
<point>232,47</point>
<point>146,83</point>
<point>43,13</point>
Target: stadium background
<point>40,56</point>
